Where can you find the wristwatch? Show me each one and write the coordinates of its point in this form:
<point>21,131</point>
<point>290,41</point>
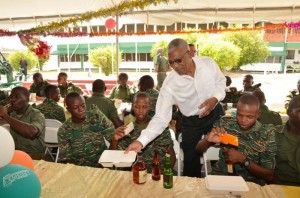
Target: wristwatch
<point>246,163</point>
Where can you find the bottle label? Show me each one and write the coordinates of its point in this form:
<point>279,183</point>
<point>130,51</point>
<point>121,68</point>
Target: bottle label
<point>142,176</point>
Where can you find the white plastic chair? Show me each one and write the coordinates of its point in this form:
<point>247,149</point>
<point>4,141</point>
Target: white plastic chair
<point>51,140</point>
<point>178,151</point>
<point>212,153</point>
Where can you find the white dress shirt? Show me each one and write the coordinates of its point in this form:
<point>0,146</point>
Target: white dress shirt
<point>187,93</point>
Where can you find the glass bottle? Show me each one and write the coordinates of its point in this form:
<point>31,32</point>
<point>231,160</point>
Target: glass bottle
<point>139,170</point>
<point>168,173</point>
<point>156,170</point>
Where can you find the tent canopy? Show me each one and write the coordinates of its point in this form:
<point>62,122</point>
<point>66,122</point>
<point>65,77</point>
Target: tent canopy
<point>14,16</point>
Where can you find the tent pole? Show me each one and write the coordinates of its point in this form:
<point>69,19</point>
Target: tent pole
<point>117,44</point>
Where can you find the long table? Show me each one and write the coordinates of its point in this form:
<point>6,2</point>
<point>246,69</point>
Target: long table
<point>67,180</point>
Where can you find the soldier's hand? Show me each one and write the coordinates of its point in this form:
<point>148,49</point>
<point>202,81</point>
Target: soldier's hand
<point>119,133</point>
<point>213,136</point>
<point>208,106</point>
<point>233,156</point>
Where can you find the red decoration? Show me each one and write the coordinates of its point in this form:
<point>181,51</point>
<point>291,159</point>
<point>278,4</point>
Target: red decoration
<point>110,23</point>
<point>42,50</point>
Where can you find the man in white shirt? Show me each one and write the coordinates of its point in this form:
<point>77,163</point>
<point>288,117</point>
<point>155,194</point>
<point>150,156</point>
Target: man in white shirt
<point>196,85</point>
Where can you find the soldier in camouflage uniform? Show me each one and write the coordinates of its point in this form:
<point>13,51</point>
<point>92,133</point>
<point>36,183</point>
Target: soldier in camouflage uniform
<point>105,104</point>
<point>122,90</point>
<point>161,67</point>
<point>254,159</point>
<point>49,107</point>
<point>266,116</point>
<point>27,125</point>
<point>287,170</point>
<point>146,84</point>
<point>248,84</point>
<point>293,93</point>
<point>38,85</point>
<point>81,138</point>
<point>65,86</point>
<point>163,143</point>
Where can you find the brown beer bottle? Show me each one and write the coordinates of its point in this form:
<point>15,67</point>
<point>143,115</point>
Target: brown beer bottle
<point>139,170</point>
<point>156,170</point>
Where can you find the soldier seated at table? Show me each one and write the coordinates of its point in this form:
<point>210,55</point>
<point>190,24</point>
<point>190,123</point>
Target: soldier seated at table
<point>231,93</point>
<point>287,170</point>
<point>254,159</point>
<point>81,138</point>
<point>38,86</point>
<point>266,116</point>
<point>292,93</point>
<point>122,90</point>
<point>105,104</point>
<point>66,87</point>
<point>49,107</point>
<point>163,143</point>
<point>146,84</point>
<point>248,84</point>
<point>27,125</point>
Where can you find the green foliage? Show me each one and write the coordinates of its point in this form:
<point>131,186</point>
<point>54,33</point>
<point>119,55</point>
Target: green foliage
<point>253,48</point>
<point>191,38</point>
<point>30,57</point>
<point>102,58</point>
<point>159,44</point>
<point>225,53</point>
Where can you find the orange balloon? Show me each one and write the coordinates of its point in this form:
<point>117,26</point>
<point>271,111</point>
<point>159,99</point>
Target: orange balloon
<point>22,159</point>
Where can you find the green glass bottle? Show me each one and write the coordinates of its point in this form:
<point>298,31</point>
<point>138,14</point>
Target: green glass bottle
<point>168,172</point>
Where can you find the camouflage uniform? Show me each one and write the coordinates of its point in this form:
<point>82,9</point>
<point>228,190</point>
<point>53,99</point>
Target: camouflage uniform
<point>257,144</point>
<point>34,147</point>
<point>83,143</point>
<point>268,117</point>
<point>162,66</point>
<point>105,105</point>
<point>64,91</point>
<point>251,89</point>
<point>52,110</point>
<point>125,94</point>
<point>161,144</point>
<point>289,97</point>
<point>39,90</point>
<point>288,156</point>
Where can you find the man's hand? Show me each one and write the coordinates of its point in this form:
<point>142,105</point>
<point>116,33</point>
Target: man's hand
<point>208,106</point>
<point>134,146</point>
<point>213,136</point>
<point>119,133</point>
<point>233,156</point>
<point>3,111</point>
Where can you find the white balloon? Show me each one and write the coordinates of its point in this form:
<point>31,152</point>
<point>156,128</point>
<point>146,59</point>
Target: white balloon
<point>7,147</point>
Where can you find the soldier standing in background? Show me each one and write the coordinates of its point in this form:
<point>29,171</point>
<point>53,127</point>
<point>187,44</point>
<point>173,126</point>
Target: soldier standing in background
<point>161,67</point>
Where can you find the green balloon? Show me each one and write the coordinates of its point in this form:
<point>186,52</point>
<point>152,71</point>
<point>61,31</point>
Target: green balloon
<point>19,181</point>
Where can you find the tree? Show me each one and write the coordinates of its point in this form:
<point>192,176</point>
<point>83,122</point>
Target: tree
<point>159,44</point>
<point>190,38</point>
<point>30,57</point>
<point>253,48</point>
<point>102,58</point>
<point>225,53</point>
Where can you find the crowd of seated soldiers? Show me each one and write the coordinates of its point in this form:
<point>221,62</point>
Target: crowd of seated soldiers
<point>95,118</point>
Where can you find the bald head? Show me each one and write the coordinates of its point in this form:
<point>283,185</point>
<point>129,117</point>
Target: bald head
<point>159,51</point>
<point>178,42</point>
